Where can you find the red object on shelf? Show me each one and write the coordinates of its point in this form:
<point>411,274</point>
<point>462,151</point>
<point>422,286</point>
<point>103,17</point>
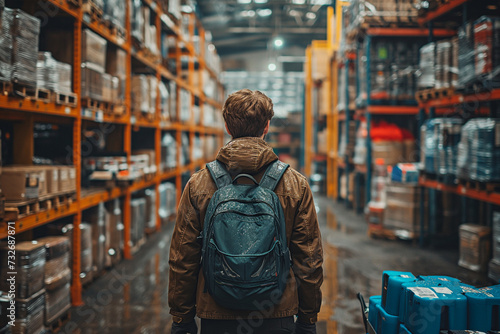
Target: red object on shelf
<point>441,10</point>
<point>392,110</point>
<point>410,32</point>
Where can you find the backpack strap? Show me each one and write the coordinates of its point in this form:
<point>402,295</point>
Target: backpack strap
<point>219,174</point>
<point>273,174</point>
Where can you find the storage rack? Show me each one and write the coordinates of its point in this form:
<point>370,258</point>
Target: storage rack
<point>458,11</point>
<point>27,112</point>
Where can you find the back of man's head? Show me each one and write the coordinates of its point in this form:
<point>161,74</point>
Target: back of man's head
<point>247,113</point>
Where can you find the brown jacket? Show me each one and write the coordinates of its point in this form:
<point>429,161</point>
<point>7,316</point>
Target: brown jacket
<point>302,295</point>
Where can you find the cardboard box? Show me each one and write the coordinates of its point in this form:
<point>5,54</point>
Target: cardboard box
<point>52,177</point>
<point>67,179</point>
<point>94,49</point>
<point>475,247</point>
<point>92,82</point>
<point>19,184</point>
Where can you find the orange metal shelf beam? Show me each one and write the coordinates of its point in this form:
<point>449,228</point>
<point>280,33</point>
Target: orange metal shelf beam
<point>409,32</point>
<point>101,117</point>
<point>67,8</point>
<point>392,110</point>
<point>479,195</point>
<point>459,98</point>
<point>39,219</point>
<point>94,199</point>
<point>12,103</point>
<point>441,10</point>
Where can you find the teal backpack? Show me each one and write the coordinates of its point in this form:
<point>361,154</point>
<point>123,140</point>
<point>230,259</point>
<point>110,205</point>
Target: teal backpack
<point>245,256</point>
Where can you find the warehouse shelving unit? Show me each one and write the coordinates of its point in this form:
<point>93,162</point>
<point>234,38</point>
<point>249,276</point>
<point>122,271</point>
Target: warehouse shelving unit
<point>446,105</point>
<point>26,112</point>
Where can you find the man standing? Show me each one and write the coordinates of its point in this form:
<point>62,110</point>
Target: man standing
<point>247,115</point>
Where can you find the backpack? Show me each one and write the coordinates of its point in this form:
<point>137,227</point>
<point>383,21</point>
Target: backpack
<point>245,256</point>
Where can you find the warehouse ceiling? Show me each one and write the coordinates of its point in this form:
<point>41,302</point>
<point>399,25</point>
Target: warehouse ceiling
<point>239,26</point>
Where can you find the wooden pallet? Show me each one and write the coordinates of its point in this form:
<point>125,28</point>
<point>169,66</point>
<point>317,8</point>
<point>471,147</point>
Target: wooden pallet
<point>24,91</point>
<point>142,115</point>
<point>381,233</point>
<point>68,99</point>
<point>17,210</point>
<point>146,53</point>
<point>42,94</point>
<point>57,324</point>
<point>91,9</point>
<point>91,104</point>
<point>6,88</point>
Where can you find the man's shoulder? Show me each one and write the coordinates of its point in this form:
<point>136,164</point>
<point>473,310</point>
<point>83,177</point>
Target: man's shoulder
<point>292,184</point>
<point>201,183</point>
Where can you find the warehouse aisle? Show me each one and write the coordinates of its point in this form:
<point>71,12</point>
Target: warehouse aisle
<point>132,298</point>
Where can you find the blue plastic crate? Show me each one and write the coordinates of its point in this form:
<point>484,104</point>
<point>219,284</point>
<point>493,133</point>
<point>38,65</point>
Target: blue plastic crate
<point>483,306</point>
<point>403,329</point>
<point>391,289</point>
<point>430,308</point>
<point>375,301</point>
<point>387,323</point>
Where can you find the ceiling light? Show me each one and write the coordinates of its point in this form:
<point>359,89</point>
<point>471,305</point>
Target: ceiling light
<point>299,2</point>
<point>244,1</point>
<point>248,13</point>
<point>278,42</point>
<point>271,67</point>
<point>264,12</point>
<point>310,15</point>
<point>260,1</point>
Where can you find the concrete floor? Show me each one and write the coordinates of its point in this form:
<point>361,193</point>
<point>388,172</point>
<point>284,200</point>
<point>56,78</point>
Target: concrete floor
<point>132,297</point>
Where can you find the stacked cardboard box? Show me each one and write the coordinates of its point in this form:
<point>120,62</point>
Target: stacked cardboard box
<point>30,292</point>
<point>403,208</point>
<point>494,265</point>
<point>19,184</point>
<point>168,199</point>
<point>475,247</point>
<point>25,31</point>
<point>6,18</point>
<point>487,46</point>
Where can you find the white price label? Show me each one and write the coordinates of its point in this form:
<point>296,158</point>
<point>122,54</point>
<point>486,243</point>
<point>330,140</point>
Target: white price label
<point>67,110</point>
<point>443,290</point>
<point>423,292</point>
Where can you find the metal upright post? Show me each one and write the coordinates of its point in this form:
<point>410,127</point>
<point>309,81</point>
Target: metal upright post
<point>347,121</point>
<point>368,123</point>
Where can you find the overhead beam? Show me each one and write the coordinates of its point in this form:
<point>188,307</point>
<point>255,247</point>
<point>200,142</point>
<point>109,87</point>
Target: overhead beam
<point>271,30</point>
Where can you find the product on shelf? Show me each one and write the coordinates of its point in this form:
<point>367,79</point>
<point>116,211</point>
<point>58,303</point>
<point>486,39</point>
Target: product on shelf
<point>115,12</point>
<point>479,150</point>
<point>67,179</point>
<point>466,55</point>
<point>137,223</point>
<point>443,63</point>
<point>359,157</point>
<point>137,20</point>
<point>496,235</point>
<point>185,157</point>
<point>114,232</point>
<point>168,152</point>
<point>164,101</point>
<point>104,170</point>
<point>25,31</point>
<point>57,303</point>
<point>19,183</point>
<point>57,270</point>
<point>92,82</point>
<point>168,199</point>
<point>173,101</point>
<point>30,268</point>
<point>6,18</point>
<point>47,75</point>
<point>403,209</point>
<point>174,8</point>
<point>106,87</point>
<point>142,163</point>
<point>487,46</point>
<point>475,247</point>
<point>144,93</point>
<point>85,244</point>
<point>345,150</point>
<point>150,217</point>
<point>116,65</point>
<point>185,105</point>
<point>94,50</point>
<point>96,217</point>
<point>29,314</point>
<point>405,173</point>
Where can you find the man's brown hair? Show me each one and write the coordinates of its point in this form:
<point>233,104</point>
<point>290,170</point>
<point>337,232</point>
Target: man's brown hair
<point>247,112</point>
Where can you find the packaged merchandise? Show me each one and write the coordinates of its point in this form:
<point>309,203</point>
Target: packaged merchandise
<point>107,94</point>
<point>47,74</point>
<point>116,65</point>
<point>25,32</point>
<point>185,158</point>
<point>94,50</point>
<point>6,20</point>
<point>137,21</point>
<point>475,247</point>
<point>57,270</point>
<point>30,314</point>
<point>92,82</point>
<point>115,12</point>
<point>443,64</point>
<point>466,55</point>
<point>30,268</point>
<point>114,232</point>
<point>141,100</point>
<point>57,302</point>
<point>403,209</point>
<point>168,199</point>
<point>496,235</point>
<point>138,212</point>
<point>164,101</point>
<point>479,150</point>
<point>19,183</point>
<point>168,152</point>
<point>487,46</point>
<point>150,218</point>
<point>96,217</point>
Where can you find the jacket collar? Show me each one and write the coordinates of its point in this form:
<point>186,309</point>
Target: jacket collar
<point>246,155</point>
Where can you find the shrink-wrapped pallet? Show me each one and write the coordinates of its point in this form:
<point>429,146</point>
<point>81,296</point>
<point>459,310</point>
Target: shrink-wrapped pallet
<point>25,32</point>
<point>6,19</point>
